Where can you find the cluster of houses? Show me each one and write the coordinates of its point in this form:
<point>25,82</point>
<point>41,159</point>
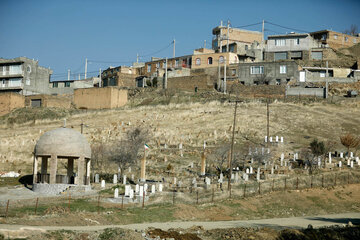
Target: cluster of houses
<point>237,56</point>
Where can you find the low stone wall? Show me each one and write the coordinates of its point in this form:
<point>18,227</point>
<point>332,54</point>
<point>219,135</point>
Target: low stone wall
<point>256,91</point>
<point>301,91</point>
<point>330,80</point>
<point>56,189</point>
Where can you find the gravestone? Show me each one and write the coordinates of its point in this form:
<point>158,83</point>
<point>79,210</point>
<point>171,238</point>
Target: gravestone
<point>251,170</point>
<point>145,188</point>
<point>340,164</point>
<point>102,183</point>
<point>174,181</point>
<point>141,191</point>
<point>330,157</point>
<point>127,190</point>
<point>271,139</point>
<point>97,178</point>
<point>281,139</point>
<point>191,165</point>
<point>351,154</point>
<point>341,155</point>
<point>116,193</point>
<point>266,139</point>
<point>160,187</point>
<point>153,189</point>
<point>236,177</point>
<point>115,179</point>
<point>272,170</point>
<point>221,176</point>
<point>137,188</point>
<point>352,164</point>
<point>348,162</point>
<point>247,171</point>
<point>124,179</point>
<point>282,156</point>
<point>131,194</point>
<point>258,174</point>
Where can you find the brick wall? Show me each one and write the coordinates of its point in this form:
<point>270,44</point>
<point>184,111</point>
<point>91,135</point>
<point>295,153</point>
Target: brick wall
<point>10,101</point>
<point>50,101</point>
<point>100,98</point>
<point>202,82</point>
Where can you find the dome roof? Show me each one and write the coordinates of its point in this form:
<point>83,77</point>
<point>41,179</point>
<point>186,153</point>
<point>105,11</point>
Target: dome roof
<point>63,142</point>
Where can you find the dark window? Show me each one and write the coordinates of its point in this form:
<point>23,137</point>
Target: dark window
<point>210,60</point>
<point>67,84</point>
<point>35,102</point>
<point>55,84</point>
<point>280,55</point>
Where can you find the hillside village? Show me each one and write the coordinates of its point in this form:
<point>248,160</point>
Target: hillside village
<point>299,63</point>
<point>250,128</point>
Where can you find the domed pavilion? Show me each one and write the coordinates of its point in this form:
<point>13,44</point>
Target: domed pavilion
<point>65,146</point>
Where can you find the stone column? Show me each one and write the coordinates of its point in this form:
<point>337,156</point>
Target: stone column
<point>70,169</point>
<point>88,165</point>
<point>81,170</point>
<point>53,169</point>
<point>44,165</point>
<point>35,166</point>
<point>143,170</point>
<point>203,163</point>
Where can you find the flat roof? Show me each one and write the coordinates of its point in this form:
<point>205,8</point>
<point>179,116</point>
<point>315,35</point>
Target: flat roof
<point>289,35</point>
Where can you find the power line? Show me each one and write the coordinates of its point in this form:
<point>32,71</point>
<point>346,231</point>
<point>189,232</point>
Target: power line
<point>160,50</point>
<point>99,61</point>
<point>298,30</point>
<point>249,25</point>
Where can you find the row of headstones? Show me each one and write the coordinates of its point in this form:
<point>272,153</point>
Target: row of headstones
<point>276,139</point>
<point>115,179</point>
<point>139,190</point>
<point>342,155</point>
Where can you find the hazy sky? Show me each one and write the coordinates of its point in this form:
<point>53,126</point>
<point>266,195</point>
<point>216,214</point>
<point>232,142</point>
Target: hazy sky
<point>61,34</point>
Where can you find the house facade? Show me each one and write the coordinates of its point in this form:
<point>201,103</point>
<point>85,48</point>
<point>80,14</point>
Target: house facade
<point>24,76</point>
<point>335,40</point>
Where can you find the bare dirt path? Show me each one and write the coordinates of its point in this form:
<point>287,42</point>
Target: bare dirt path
<point>277,223</point>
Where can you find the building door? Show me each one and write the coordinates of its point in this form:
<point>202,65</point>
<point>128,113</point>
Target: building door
<point>35,102</point>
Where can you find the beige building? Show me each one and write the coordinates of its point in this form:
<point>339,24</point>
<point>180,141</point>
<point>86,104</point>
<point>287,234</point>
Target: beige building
<point>10,101</point>
<point>100,98</point>
<point>335,40</point>
<point>208,58</point>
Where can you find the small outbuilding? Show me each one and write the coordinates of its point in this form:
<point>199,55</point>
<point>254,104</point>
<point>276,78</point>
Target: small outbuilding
<point>52,149</point>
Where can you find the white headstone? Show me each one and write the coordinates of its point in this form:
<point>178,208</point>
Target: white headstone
<point>174,181</point>
<point>141,191</point>
<point>115,179</point>
<point>342,155</point>
<point>265,138</point>
<point>330,157</point>
<point>251,170</point>
<point>116,193</point>
<point>271,139</point>
<point>102,183</point>
<point>272,170</point>
<point>282,156</point>
<point>221,176</point>
<point>160,187</point>
<point>137,188</point>
<point>262,151</point>
<point>351,154</point>
<point>180,146</point>
<point>281,139</point>
<point>208,181</point>
<point>191,165</point>
<point>277,139</point>
<point>258,174</point>
<point>252,160</point>
<point>232,176</point>
<point>236,177</point>
<point>348,162</point>
<point>247,171</point>
<point>127,190</point>
<point>97,178</point>
<point>268,150</point>
<point>281,162</point>
<point>152,189</point>
<point>352,164</point>
<point>131,194</point>
<point>145,188</point>
<point>340,164</point>
<point>204,144</point>
<point>285,163</point>
<point>124,179</point>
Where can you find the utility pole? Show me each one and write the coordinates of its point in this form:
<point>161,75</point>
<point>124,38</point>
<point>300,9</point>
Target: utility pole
<point>219,76</point>
<point>327,80</point>
<point>85,67</point>
<point>263,39</point>
<point>137,58</point>
<point>100,78</point>
<point>204,43</point>
<point>224,74</point>
<point>165,83</point>
<point>268,122</point>
<point>220,36</point>
<point>232,147</point>
<point>174,49</point>
<point>68,74</point>
<point>79,76</point>
<point>227,36</point>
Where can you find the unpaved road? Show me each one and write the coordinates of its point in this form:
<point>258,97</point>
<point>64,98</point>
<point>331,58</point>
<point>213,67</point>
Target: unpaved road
<point>277,223</point>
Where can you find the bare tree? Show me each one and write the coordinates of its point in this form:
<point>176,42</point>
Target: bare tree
<point>99,156</point>
<point>262,79</point>
<point>353,30</point>
<point>124,152</point>
<point>350,141</point>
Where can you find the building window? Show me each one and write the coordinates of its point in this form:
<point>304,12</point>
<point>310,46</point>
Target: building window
<point>279,42</point>
<point>15,69</point>
<point>335,36</point>
<point>198,61</point>
<point>28,69</point>
<point>210,60</point>
<point>55,84</point>
<point>346,39</point>
<point>15,82</point>
<point>296,55</point>
<point>297,41</point>
<point>232,48</point>
<point>257,70</point>
<point>149,68</point>
<point>280,55</point>
<point>27,81</point>
<point>67,84</point>
<point>278,81</point>
<point>282,69</point>
<point>233,72</point>
<point>221,59</point>
<point>157,65</point>
<point>316,55</point>
<point>324,37</point>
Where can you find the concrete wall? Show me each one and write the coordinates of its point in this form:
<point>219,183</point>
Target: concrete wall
<point>314,79</point>
<point>306,42</point>
<point>271,72</point>
<point>301,91</point>
<point>202,82</point>
<point>50,101</point>
<point>336,40</point>
<point>100,98</point>
<point>10,101</point>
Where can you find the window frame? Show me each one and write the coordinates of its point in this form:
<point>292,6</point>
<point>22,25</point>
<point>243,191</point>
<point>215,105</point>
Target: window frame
<point>197,61</point>
<point>67,84</point>
<point>55,84</point>
<point>252,68</point>
<point>280,42</point>
<point>282,68</point>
